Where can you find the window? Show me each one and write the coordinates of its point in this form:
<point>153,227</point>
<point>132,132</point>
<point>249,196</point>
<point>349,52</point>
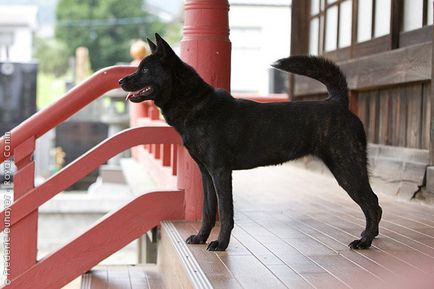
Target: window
<point>329,27</point>
<point>417,13</point>
<point>337,24</point>
<point>382,17</point>
<point>373,19</point>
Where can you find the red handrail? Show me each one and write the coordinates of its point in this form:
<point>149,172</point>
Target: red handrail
<point>88,163</point>
<point>100,82</point>
<point>109,235</point>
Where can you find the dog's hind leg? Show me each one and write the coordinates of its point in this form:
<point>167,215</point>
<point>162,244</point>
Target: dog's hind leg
<point>209,210</point>
<point>352,176</point>
<point>222,179</point>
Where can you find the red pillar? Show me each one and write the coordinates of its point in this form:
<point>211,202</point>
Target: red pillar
<point>206,47</point>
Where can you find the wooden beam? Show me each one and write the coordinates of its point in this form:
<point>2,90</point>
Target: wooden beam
<point>300,27</point>
<point>431,140</point>
<point>395,23</point>
<point>409,64</point>
<point>299,34</point>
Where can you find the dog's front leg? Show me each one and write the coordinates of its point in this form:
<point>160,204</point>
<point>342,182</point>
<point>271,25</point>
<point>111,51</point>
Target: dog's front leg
<point>209,210</point>
<point>222,179</point>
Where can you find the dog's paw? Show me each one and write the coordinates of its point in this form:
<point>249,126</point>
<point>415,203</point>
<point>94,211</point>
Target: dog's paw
<point>216,246</point>
<point>195,239</point>
<point>363,243</point>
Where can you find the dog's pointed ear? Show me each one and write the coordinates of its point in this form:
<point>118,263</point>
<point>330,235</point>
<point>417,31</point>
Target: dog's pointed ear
<point>164,49</point>
<point>152,45</point>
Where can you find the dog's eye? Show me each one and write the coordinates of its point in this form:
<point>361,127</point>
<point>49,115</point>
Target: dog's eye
<point>145,70</point>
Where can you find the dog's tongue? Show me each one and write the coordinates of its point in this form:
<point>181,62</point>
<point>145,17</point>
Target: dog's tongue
<point>131,94</point>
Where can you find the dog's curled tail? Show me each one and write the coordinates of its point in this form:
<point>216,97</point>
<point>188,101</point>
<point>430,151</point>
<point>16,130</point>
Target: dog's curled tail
<point>320,69</point>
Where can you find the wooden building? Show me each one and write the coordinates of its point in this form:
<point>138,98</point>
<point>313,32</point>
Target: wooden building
<point>385,49</point>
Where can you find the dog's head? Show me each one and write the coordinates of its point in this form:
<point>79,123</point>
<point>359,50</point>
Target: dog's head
<point>153,75</point>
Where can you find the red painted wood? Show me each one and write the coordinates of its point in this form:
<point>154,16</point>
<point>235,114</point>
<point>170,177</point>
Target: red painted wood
<point>88,163</point>
<point>109,235</point>
<point>24,234</point>
<point>157,151</point>
<point>206,47</point>
<point>137,111</point>
<point>166,155</point>
<point>269,98</point>
<point>154,114</point>
<point>174,162</point>
<point>190,180</point>
<point>161,175</point>
<point>46,119</point>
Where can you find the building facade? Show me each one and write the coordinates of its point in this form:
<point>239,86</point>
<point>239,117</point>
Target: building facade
<point>385,49</point>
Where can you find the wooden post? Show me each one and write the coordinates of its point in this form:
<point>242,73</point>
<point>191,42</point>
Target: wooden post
<point>431,142</point>
<point>206,47</point>
<point>23,235</point>
<point>166,155</point>
<point>299,35</point>
<point>354,97</point>
<point>395,23</point>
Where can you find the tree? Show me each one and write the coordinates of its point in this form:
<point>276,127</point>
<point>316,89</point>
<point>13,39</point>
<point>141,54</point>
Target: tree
<point>52,55</point>
<point>105,27</point>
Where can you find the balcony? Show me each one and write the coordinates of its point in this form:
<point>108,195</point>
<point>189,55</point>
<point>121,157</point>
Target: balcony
<point>292,228</point>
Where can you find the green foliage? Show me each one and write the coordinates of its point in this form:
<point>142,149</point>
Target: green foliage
<point>49,88</point>
<point>105,27</point>
<point>52,56</point>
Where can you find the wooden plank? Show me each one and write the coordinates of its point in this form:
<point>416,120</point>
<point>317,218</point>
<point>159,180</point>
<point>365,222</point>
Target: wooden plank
<point>250,273</point>
<point>414,113</point>
<point>195,264</point>
<point>123,277</point>
<point>383,117</point>
<point>190,180</point>
<point>289,277</point>
<point>363,109</point>
<point>372,46</point>
<point>395,105</point>
<point>372,116</point>
<point>426,115</point>
<point>415,37</point>
<point>431,144</point>
<point>402,119</point>
<point>300,236</point>
<point>353,96</point>
<point>409,64</point>
<point>166,155</point>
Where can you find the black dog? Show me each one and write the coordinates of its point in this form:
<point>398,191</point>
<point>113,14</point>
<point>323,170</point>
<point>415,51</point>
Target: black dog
<point>224,134</point>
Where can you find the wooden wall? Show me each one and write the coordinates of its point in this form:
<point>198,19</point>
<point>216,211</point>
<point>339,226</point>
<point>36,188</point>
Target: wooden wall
<point>397,116</point>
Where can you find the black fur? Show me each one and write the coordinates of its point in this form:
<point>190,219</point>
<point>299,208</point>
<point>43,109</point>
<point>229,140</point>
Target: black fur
<point>224,134</point>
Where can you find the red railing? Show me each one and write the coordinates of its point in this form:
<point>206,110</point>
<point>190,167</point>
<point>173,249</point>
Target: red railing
<point>153,140</point>
<point>107,236</point>
<point>80,96</point>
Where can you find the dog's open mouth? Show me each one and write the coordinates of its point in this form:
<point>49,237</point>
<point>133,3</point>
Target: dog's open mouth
<point>146,91</point>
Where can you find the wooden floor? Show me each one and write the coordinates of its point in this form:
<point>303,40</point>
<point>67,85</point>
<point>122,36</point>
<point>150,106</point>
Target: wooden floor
<point>122,277</point>
<point>292,228</point>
